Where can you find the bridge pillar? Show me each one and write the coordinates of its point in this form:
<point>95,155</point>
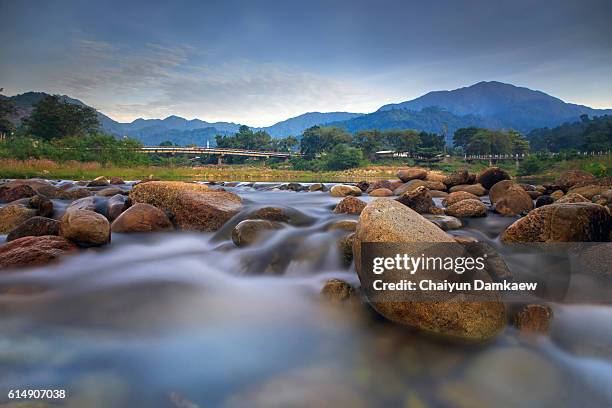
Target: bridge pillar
<point>219,160</point>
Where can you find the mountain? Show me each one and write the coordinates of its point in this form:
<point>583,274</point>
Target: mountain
<point>513,107</point>
<point>295,126</point>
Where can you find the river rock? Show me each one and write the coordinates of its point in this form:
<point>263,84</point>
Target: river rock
<point>34,251</point>
<point>569,222</point>
<point>381,192</point>
<point>457,177</point>
<point>438,194</point>
<point>34,227</point>
<point>569,178</point>
<point>116,205</point>
<point>43,206</point>
<point>142,217</point>
<point>90,203</point>
<point>411,174</point>
<point>350,205</point>
<point>116,180</point>
<point>248,232</point>
<point>110,191</point>
<point>534,318</point>
<point>418,199</point>
<point>445,222</point>
<point>544,200</point>
<point>14,192</point>
<point>12,215</point>
<point>572,198</point>
<point>467,208</point>
<point>363,186</point>
<point>193,206</point>
<point>476,189</point>
<point>491,176</point>
<point>534,194</point>
<point>317,187</point>
<point>345,248</point>
<point>343,190</point>
<point>434,175</point>
<point>409,186</point>
<point>509,198</point>
<point>70,194</point>
<point>386,220</point>
<point>345,225</point>
<point>557,194</point>
<point>457,196</point>
<point>270,214</point>
<point>292,187</point>
<point>337,290</point>
<point>435,185</point>
<point>99,181</point>
<point>388,184</point>
<point>588,191</point>
<point>84,227</point>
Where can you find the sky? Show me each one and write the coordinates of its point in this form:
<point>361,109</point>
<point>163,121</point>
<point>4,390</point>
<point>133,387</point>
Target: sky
<point>259,62</point>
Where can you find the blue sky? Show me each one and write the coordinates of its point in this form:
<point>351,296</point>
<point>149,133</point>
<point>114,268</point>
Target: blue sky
<point>258,62</point>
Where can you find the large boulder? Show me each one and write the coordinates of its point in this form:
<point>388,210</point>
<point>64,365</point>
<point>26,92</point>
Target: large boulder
<point>34,251</point>
<point>571,222</point>
<point>491,176</point>
<point>84,227</point>
<point>418,199</point>
<point>467,208</point>
<point>457,177</point>
<point>434,175</point>
<point>572,198</point>
<point>350,205</point>
<point>34,227</point>
<point>457,196</point>
<point>411,174</point>
<point>476,189</point>
<point>14,192</point>
<point>387,221</point>
<point>509,198</point>
<point>248,232</point>
<point>193,206</point>
<point>569,178</point>
<point>592,189</point>
<point>142,217</point>
<point>343,190</point>
<point>12,215</point>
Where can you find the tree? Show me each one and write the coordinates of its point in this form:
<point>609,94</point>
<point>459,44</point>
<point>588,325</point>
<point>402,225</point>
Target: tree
<point>369,141</point>
<point>343,157</point>
<point>166,143</point>
<point>286,144</point>
<point>6,110</point>
<point>405,141</point>
<point>461,137</point>
<point>318,139</point>
<point>53,118</point>
<point>245,138</point>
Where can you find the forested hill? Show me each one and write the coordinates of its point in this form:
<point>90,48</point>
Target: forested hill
<point>589,134</point>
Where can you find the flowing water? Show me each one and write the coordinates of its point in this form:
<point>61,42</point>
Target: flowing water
<point>189,320</point>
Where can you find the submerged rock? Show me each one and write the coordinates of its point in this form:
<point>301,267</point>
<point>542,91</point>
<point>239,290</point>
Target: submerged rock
<point>142,217</point>
<point>491,176</point>
<point>386,220</point>
<point>509,198</point>
<point>350,205</point>
<point>534,318</point>
<point>337,290</point>
<point>35,227</point>
<point>193,206</point>
<point>570,222</point>
<point>345,247</point>
<point>467,208</point>
<point>248,232</point>
<point>34,251</point>
<point>343,190</point>
<point>84,227</point>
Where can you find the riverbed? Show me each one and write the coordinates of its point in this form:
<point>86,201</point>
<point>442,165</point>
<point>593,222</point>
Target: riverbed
<point>172,319</point>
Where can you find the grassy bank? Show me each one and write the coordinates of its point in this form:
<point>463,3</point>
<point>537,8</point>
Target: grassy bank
<point>75,170</point>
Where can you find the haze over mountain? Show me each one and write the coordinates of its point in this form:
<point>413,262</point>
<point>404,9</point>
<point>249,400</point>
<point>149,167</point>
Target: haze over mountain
<point>485,104</point>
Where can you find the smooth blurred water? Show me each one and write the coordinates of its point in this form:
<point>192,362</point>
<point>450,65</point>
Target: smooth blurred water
<point>173,319</point>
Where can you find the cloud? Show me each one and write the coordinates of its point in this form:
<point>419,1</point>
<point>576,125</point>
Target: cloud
<point>156,80</point>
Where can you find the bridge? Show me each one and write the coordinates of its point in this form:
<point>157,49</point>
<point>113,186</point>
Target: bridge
<point>220,152</point>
